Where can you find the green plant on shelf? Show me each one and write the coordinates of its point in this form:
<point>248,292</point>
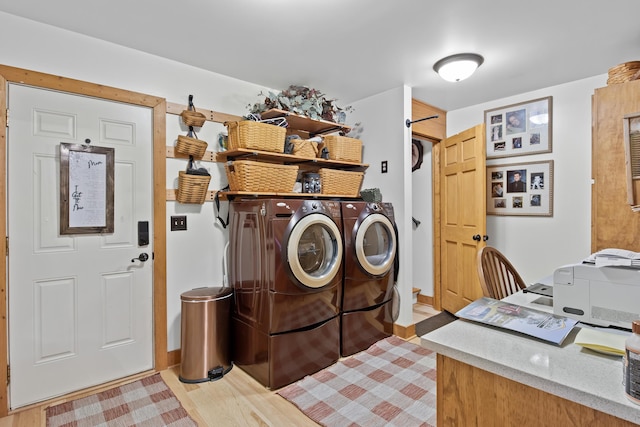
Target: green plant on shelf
<point>303,101</point>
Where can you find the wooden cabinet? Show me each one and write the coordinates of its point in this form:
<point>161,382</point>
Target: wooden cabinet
<point>469,396</point>
<point>613,223</point>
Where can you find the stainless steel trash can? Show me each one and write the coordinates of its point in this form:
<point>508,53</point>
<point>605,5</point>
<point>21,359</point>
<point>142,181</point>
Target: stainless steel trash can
<point>205,346</point>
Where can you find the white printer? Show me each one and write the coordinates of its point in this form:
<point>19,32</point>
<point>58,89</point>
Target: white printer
<point>604,296</point>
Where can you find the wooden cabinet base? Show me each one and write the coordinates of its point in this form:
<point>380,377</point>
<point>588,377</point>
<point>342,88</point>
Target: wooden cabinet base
<point>468,396</point>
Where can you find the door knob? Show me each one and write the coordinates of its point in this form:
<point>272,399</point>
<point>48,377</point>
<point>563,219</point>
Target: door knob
<point>476,237</point>
<point>142,257</point>
<point>485,238</point>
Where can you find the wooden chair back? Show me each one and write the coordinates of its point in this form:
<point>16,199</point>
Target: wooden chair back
<point>498,276</point>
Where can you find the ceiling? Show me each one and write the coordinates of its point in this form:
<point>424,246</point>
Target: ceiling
<point>352,49</point>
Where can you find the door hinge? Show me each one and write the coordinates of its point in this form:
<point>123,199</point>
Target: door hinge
<point>8,374</point>
<point>7,117</point>
<point>7,246</point>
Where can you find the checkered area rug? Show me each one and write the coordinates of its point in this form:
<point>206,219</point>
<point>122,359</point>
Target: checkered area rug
<point>147,402</point>
<point>393,383</point>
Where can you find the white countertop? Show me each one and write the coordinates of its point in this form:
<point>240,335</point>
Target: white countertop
<point>570,371</point>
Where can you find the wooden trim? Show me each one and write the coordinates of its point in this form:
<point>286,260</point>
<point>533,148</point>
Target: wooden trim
<point>404,332</point>
<point>594,174</point>
<point>437,224</point>
<point>432,129</point>
<point>160,236</point>
<point>174,357</point>
<point>209,156</point>
<point>212,116</point>
<point>63,84</point>
<point>425,299</point>
<point>4,318</point>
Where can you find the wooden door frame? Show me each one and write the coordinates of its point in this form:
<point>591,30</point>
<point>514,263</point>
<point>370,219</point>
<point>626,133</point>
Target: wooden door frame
<point>433,131</point>
<point>159,106</point>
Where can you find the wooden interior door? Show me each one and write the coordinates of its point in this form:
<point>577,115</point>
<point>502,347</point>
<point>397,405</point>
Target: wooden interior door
<point>462,216</point>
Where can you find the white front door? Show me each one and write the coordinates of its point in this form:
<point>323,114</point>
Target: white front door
<point>80,306</point>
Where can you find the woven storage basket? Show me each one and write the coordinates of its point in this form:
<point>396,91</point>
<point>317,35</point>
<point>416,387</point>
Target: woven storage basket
<point>193,118</point>
<point>191,146</point>
<point>343,148</point>
<point>247,175</point>
<point>304,148</point>
<point>623,73</point>
<point>339,182</point>
<point>255,135</point>
<point>192,188</point>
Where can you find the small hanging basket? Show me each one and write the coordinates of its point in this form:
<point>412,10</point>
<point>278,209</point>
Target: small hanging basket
<point>191,117</point>
<point>190,145</point>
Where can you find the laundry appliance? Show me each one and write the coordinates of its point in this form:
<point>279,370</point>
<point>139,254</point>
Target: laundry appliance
<point>285,265</point>
<point>369,293</point>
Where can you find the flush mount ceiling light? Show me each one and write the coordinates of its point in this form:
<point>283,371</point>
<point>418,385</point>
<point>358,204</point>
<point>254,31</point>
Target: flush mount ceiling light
<point>458,67</point>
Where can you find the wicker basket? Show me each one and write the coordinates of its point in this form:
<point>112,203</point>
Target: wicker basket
<point>305,148</point>
<point>247,175</point>
<point>191,146</point>
<point>192,188</point>
<point>339,182</point>
<point>255,135</point>
<point>343,148</point>
<point>623,73</point>
<point>193,118</point>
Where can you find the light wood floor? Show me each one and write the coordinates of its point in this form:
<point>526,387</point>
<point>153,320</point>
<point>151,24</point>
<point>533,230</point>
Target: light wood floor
<point>235,400</point>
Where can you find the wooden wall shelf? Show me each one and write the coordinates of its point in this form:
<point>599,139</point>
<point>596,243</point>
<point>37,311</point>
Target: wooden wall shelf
<point>312,126</point>
<point>266,156</point>
<point>230,195</point>
<point>296,122</point>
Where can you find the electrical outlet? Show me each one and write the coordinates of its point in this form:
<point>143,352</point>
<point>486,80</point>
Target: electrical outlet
<point>178,223</point>
<point>383,166</point>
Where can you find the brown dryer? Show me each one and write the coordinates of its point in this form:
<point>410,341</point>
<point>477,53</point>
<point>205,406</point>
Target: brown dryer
<point>368,297</point>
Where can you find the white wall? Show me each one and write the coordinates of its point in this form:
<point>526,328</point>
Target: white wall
<point>537,245</point>
<point>194,257</point>
<point>385,137</point>
<point>422,236</point>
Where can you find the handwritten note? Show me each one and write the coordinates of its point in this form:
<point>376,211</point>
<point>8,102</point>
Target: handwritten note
<point>87,189</point>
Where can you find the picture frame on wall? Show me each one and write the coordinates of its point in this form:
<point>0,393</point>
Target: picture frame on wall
<point>519,129</point>
<point>86,189</point>
<point>520,189</point>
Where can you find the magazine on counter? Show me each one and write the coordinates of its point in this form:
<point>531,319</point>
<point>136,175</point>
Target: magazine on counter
<point>539,324</point>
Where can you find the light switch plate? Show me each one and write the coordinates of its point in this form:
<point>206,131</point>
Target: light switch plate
<point>178,223</point>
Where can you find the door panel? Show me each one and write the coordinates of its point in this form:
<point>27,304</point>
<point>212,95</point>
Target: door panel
<point>80,309</point>
<point>463,216</point>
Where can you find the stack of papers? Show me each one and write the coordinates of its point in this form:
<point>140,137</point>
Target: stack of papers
<point>615,258</point>
<point>602,341</point>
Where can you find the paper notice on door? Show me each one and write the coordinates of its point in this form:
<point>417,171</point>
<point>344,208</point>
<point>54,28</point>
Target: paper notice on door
<point>87,189</point>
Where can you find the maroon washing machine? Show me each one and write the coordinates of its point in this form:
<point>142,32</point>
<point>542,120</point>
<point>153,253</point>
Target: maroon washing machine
<point>285,265</point>
<point>370,247</point>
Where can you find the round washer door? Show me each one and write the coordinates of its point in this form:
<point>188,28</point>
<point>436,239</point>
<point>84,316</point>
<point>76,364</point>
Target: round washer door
<point>375,244</point>
<point>314,250</point>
